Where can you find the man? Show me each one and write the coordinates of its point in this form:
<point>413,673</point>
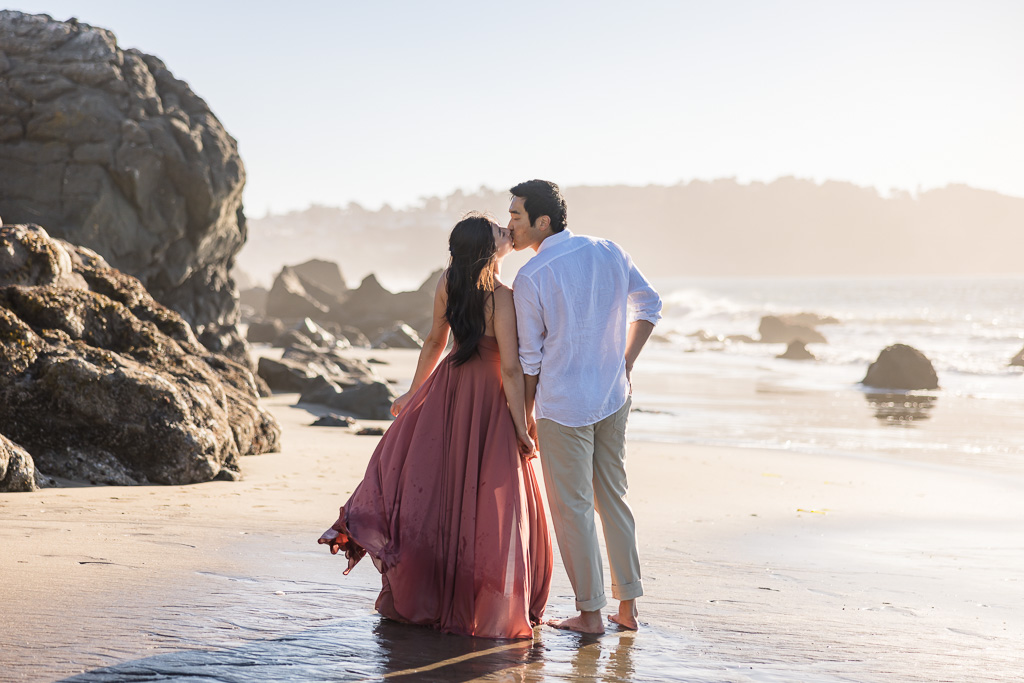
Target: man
<point>584,312</point>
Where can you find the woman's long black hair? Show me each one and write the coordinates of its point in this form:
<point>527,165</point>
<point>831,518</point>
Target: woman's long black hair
<point>470,283</point>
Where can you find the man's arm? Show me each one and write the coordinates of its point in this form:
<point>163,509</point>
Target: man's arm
<point>530,324</point>
<point>644,302</point>
<point>636,336</point>
<point>531,396</point>
<point>645,312</point>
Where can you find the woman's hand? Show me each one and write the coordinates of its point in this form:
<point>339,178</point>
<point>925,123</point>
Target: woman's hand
<point>399,403</point>
<point>527,447</point>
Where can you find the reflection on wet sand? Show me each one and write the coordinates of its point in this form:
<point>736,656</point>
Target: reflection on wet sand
<point>417,653</point>
<point>588,663</point>
<point>901,410</point>
<point>371,648</point>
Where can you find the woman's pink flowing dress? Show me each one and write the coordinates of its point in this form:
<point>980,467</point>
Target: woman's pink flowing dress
<point>449,511</point>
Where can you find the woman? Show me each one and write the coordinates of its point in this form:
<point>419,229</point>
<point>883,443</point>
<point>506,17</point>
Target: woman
<point>449,508</point>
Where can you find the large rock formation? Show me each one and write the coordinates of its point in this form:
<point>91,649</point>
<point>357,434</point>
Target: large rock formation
<point>901,367</point>
<point>324,274</point>
<point>370,309</point>
<point>375,310</point>
<point>107,149</point>
<point>99,382</point>
<point>291,297</point>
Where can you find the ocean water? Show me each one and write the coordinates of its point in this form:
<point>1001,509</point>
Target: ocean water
<point>740,394</point>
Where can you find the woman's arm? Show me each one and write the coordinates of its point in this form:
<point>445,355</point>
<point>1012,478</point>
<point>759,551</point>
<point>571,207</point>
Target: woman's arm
<point>433,345</point>
<point>511,370</point>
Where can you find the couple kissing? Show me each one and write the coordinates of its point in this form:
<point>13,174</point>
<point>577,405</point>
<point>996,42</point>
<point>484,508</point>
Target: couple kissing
<point>450,509</point>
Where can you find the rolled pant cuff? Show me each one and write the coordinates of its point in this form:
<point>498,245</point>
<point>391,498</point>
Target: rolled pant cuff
<point>593,604</point>
<point>628,591</point>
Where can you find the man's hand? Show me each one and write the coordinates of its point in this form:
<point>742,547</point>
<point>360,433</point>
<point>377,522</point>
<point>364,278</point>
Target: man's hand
<point>629,378</point>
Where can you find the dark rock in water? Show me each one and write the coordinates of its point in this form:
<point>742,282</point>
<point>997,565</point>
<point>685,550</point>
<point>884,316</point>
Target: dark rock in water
<point>370,431</point>
<point>740,339</point>
<point>99,382</point>
<point>334,421</point>
<point>400,337</point>
<point>797,351</point>
<point>17,471</point>
<point>901,367</point>
<point>109,150</point>
<point>1018,360</point>
<point>776,330</point>
<point>288,298</point>
<point>324,274</point>
<point>264,332</point>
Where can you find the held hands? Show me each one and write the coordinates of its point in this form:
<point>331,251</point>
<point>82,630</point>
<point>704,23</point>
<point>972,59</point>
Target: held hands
<point>527,446</point>
<point>528,440</point>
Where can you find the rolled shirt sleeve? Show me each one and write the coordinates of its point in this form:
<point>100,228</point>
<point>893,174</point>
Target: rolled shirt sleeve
<point>530,324</point>
<point>644,302</point>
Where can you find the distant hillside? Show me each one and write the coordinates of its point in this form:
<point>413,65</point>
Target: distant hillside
<point>789,227</point>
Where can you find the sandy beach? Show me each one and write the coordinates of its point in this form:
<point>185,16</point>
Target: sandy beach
<point>760,565</point>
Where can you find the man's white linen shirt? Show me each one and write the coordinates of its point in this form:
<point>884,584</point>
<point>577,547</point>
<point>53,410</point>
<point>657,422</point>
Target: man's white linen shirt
<point>574,302</point>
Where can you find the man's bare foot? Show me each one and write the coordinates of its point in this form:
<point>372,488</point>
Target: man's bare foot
<point>626,618</point>
<point>584,622</point>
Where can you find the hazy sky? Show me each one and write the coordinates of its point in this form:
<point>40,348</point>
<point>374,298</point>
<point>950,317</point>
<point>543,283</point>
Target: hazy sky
<point>337,101</point>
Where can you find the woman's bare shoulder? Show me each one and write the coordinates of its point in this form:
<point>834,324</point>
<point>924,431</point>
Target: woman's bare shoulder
<point>503,293</point>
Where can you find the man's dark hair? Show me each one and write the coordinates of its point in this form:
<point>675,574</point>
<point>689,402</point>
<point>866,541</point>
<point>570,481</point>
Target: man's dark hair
<point>542,198</point>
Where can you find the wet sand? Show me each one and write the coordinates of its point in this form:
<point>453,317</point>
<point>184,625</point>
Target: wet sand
<point>760,565</point>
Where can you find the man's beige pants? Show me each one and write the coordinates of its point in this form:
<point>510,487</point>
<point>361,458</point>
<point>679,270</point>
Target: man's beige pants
<point>584,469</point>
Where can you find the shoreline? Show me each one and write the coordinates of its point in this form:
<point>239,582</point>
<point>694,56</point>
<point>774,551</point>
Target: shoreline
<point>720,400</point>
<point>758,564</point>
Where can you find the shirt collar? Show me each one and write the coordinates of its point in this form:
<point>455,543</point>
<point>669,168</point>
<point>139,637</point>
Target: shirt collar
<point>555,239</point>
